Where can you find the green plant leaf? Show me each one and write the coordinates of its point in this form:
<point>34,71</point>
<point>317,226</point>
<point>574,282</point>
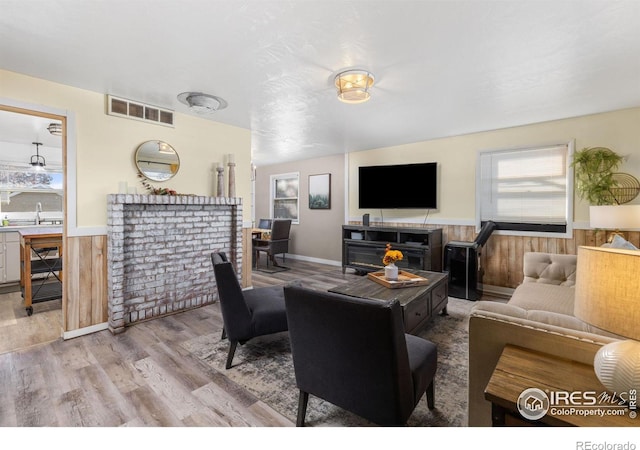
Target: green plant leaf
<point>594,168</point>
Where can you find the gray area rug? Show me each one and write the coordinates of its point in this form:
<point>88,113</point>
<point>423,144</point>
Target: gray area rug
<point>264,367</point>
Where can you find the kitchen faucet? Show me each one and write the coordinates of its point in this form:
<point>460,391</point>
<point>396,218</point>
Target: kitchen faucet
<point>38,211</point>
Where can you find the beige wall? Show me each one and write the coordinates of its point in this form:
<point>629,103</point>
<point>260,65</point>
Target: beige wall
<point>106,144</point>
<point>456,157</point>
<point>318,234</point>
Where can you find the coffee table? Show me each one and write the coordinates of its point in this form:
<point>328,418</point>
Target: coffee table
<point>419,303</point>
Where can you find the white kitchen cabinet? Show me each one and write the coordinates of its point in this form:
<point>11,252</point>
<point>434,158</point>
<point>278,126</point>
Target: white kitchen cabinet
<point>9,257</point>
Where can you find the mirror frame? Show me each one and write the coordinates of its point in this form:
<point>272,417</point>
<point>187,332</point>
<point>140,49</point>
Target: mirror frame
<point>145,152</point>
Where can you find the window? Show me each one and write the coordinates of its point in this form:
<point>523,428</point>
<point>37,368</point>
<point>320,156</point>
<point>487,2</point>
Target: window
<point>284,196</point>
<point>26,179</point>
<point>526,190</point>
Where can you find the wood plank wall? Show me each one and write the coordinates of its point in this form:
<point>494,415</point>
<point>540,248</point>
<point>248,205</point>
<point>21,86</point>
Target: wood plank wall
<point>85,279</point>
<point>85,282</point>
<point>85,274</point>
<point>502,256</point>
<point>247,257</point>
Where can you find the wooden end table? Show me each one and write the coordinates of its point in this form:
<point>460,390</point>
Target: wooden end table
<point>574,393</point>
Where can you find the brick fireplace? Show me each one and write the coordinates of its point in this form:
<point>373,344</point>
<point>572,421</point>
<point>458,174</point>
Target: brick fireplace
<point>159,249</point>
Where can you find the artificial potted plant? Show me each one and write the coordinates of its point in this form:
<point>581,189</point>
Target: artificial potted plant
<point>594,169</point>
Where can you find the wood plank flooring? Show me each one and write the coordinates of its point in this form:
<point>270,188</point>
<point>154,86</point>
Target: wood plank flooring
<point>19,331</point>
<point>142,377</point>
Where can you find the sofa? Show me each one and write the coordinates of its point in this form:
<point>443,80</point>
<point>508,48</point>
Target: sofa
<point>538,316</point>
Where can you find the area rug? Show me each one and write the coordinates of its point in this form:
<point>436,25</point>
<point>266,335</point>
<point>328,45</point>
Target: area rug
<point>264,367</point>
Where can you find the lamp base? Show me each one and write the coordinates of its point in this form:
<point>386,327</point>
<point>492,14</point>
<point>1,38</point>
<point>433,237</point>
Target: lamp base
<point>617,366</point>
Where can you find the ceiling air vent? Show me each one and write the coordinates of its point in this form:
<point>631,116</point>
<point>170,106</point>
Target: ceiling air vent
<point>130,109</point>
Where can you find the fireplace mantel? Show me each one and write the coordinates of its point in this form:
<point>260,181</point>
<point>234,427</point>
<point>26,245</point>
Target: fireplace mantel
<point>158,252</point>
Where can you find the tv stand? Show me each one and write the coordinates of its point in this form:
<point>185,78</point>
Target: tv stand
<point>363,247</point>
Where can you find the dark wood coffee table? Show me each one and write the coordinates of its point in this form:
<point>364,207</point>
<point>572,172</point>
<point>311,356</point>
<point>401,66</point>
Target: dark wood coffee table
<point>419,303</point>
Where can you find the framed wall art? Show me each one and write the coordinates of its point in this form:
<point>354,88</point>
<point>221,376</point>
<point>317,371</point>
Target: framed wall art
<point>320,191</point>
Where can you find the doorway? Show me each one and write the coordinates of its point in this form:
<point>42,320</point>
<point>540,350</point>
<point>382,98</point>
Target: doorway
<point>32,196</point>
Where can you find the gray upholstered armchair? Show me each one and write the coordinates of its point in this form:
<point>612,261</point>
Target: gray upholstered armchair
<point>246,314</point>
<point>353,352</point>
<point>278,242</point>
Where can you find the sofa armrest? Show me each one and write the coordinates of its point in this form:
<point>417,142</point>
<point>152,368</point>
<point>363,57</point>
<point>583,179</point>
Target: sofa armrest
<point>550,268</point>
<point>492,326</point>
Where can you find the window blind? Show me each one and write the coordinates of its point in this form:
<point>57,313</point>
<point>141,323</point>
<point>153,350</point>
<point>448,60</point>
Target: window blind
<point>524,186</point>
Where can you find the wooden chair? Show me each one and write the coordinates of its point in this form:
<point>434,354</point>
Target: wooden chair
<point>277,244</point>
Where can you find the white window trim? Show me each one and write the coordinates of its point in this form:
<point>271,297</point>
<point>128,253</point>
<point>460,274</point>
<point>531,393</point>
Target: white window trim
<point>272,193</point>
<point>568,234</point>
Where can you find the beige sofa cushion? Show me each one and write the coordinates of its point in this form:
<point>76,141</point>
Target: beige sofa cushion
<point>545,297</point>
<point>543,320</point>
<point>550,268</point>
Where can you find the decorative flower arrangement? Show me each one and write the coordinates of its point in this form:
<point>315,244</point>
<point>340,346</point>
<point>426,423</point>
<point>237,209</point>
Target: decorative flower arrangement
<point>391,256</point>
<point>154,190</point>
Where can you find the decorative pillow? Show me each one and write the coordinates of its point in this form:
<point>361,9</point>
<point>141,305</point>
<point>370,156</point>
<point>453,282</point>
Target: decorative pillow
<point>620,242</point>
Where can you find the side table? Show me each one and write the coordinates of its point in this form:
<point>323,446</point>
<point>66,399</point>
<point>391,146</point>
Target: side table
<point>564,392</point>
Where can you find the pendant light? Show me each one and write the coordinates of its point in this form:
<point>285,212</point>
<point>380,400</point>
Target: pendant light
<point>38,161</point>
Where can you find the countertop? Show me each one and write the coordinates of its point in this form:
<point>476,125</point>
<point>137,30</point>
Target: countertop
<point>34,231</point>
<point>10,228</point>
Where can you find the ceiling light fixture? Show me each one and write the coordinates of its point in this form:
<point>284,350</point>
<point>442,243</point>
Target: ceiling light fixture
<point>202,103</point>
<point>55,129</point>
<point>165,148</point>
<point>38,161</point>
<point>353,86</point>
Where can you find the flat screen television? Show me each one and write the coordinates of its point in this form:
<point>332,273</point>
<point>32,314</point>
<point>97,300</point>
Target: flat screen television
<point>398,186</point>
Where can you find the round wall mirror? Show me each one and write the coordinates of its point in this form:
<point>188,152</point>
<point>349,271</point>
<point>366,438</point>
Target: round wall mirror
<point>157,160</point>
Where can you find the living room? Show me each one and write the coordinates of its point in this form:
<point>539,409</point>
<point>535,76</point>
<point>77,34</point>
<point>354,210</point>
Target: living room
<point>100,147</point>
<point>317,236</point>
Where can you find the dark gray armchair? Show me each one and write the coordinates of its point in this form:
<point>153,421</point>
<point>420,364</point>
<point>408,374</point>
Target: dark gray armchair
<point>277,244</point>
<point>246,314</point>
<point>353,352</point>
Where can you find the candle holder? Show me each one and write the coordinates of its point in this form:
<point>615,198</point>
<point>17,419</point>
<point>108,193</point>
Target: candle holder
<point>220,170</point>
<point>232,177</point>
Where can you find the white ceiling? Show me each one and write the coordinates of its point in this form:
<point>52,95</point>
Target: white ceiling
<point>18,132</point>
<point>442,68</point>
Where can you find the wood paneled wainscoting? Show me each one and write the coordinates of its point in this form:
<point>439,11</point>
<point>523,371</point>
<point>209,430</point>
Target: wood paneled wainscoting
<point>502,256</point>
<point>85,280</point>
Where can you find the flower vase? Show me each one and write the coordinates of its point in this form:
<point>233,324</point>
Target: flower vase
<point>391,272</point>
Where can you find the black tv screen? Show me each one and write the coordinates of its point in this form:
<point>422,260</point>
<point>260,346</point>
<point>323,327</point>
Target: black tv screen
<point>398,186</point>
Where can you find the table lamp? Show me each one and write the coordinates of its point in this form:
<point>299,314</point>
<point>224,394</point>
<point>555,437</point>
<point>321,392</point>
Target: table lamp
<point>614,217</point>
<point>608,297</point>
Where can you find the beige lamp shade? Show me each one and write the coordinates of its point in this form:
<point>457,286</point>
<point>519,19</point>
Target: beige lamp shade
<point>614,217</point>
<point>608,289</point>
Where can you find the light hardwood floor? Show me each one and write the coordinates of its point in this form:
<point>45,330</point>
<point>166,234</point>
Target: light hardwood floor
<point>19,331</point>
<point>142,377</point>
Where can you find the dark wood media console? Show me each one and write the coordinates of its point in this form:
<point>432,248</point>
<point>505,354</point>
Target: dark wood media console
<point>363,247</point>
